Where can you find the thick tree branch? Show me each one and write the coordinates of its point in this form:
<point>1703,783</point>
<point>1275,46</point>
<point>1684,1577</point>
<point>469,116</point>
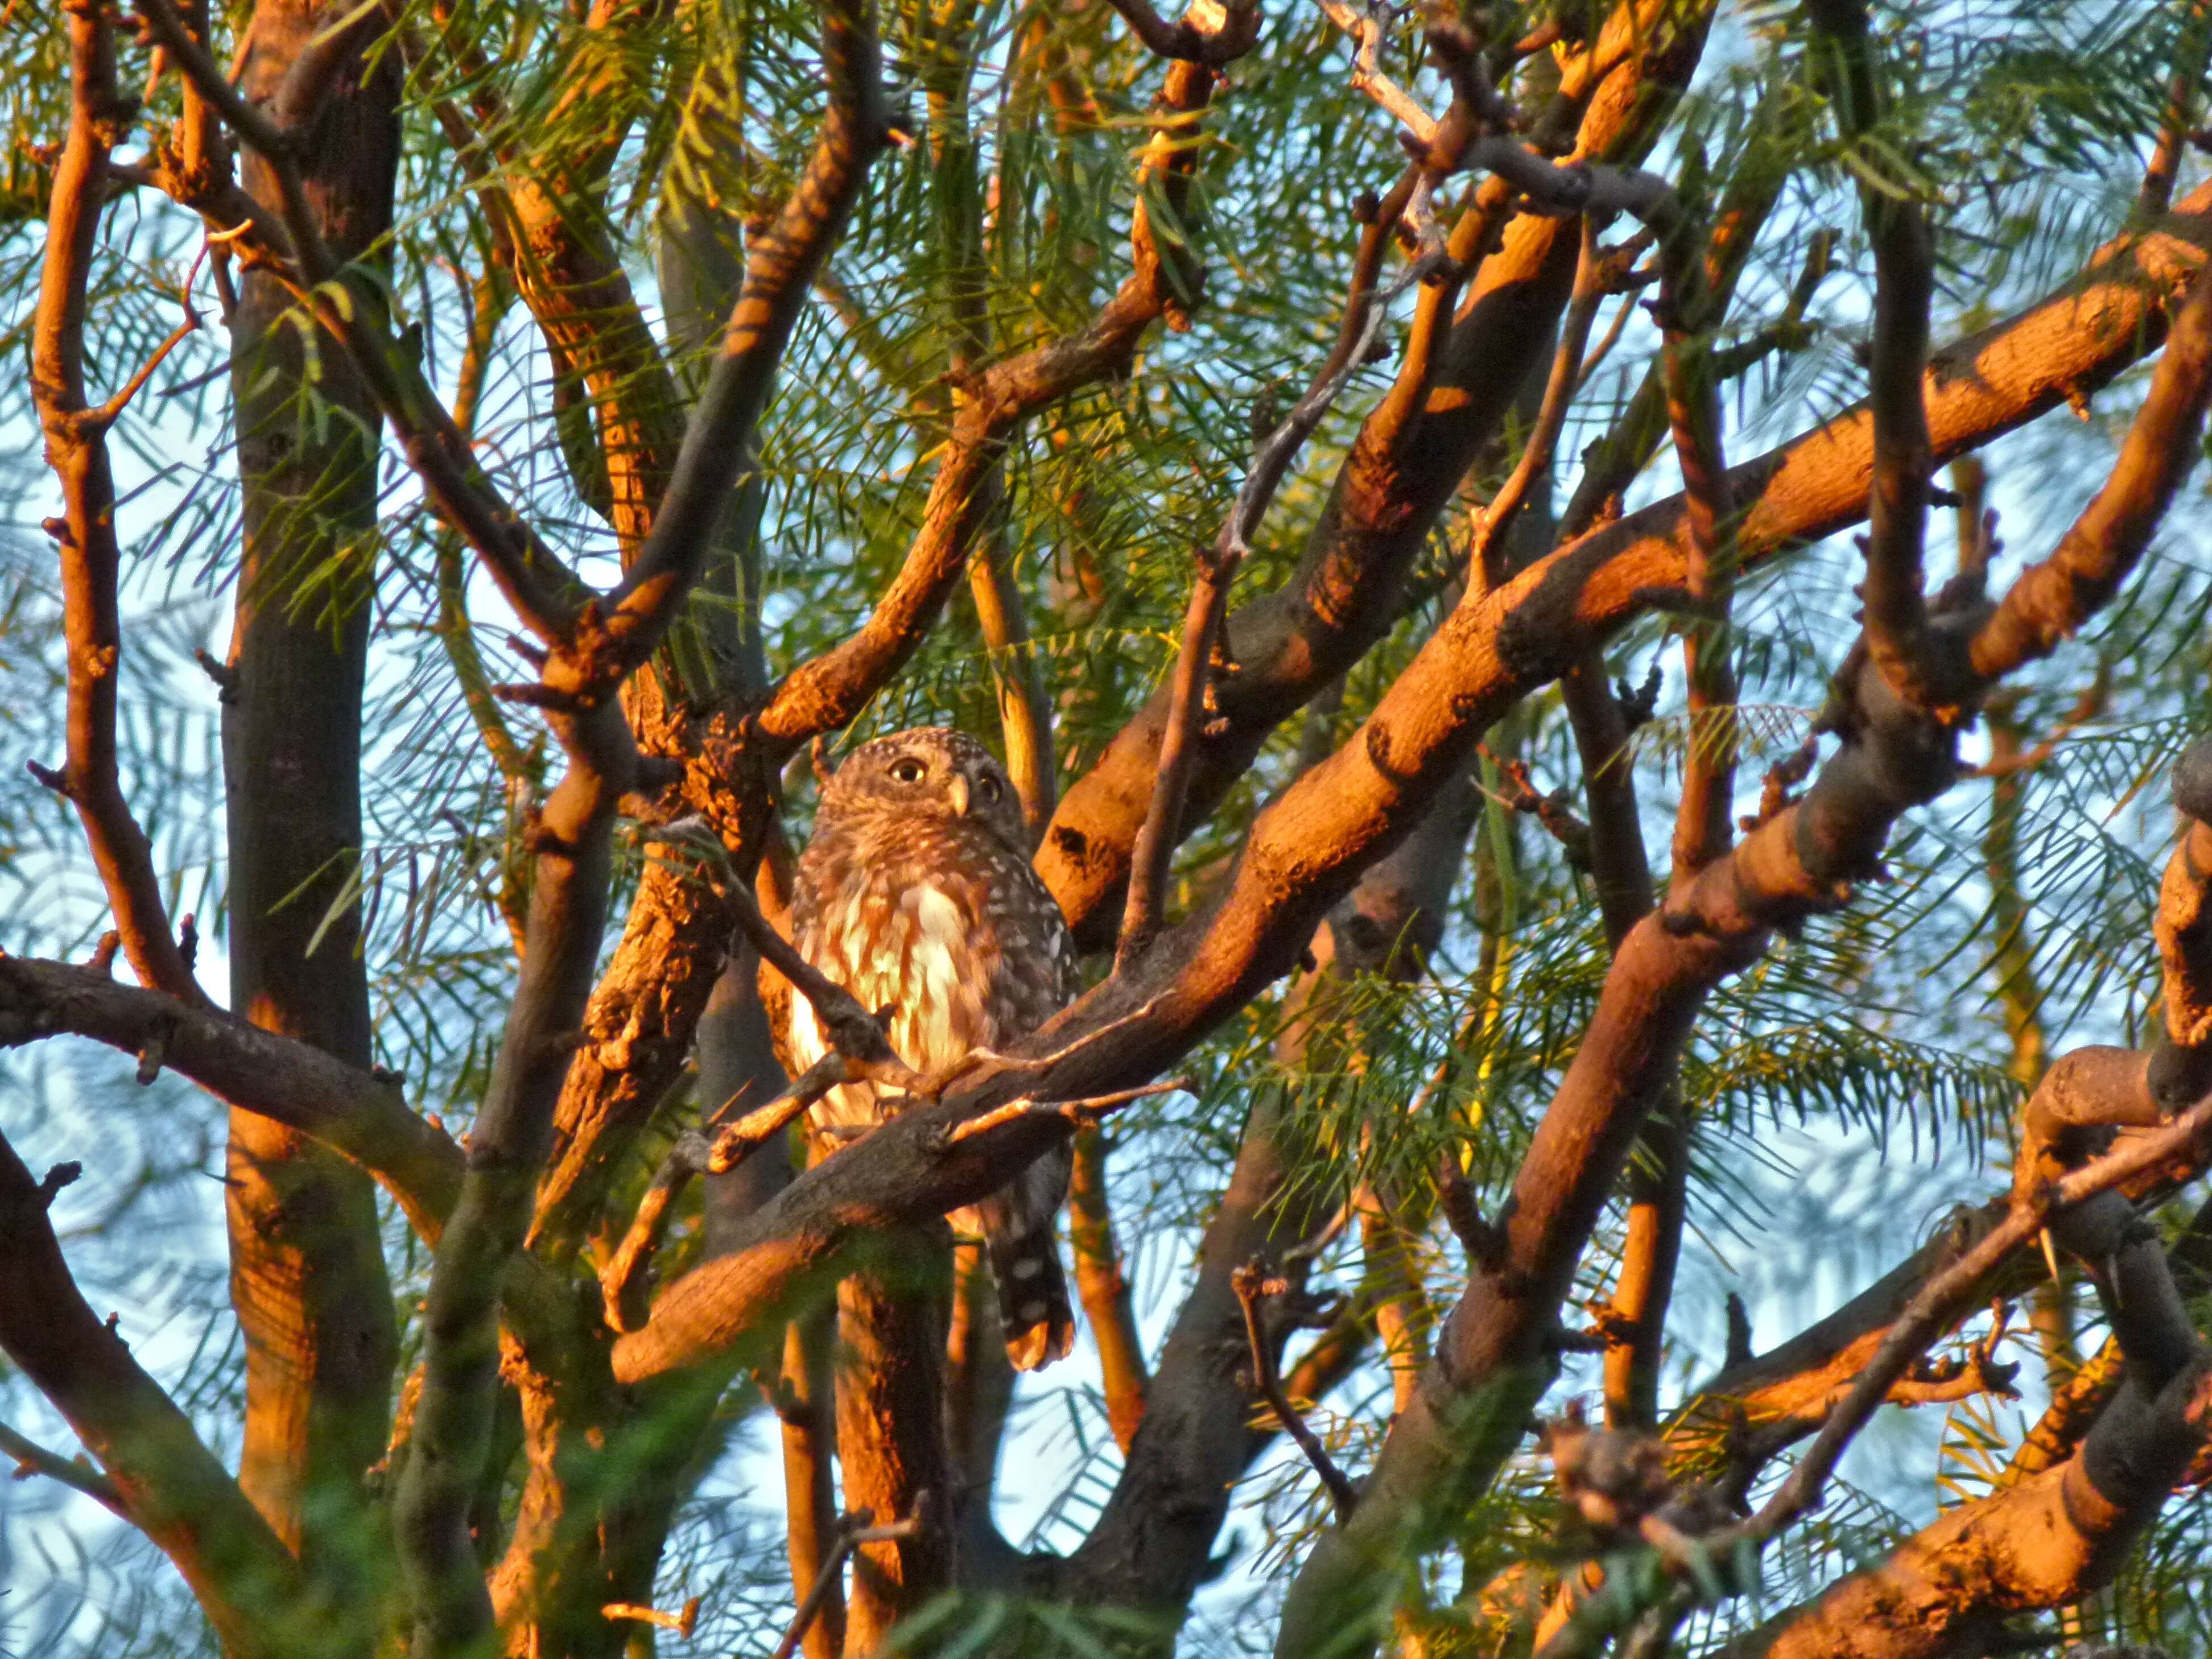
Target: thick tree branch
<point>1402,470</point>
<point>1289,644</point>
<point>285,1080</point>
<point>1801,861</point>
<point>169,1484</point>
<point>2090,1089</point>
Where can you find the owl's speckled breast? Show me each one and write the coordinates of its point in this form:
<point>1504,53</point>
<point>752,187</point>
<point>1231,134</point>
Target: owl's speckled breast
<point>937,919</point>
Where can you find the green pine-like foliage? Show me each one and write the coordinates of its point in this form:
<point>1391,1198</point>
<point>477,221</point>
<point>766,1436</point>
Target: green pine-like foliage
<point>1840,1095</point>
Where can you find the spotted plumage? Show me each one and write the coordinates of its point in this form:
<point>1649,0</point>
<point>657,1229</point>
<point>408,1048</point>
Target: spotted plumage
<point>915,894</point>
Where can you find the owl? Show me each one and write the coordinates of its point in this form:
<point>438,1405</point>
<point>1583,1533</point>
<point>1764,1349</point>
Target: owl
<point>915,893</point>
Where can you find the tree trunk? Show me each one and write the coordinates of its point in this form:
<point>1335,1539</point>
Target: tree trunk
<point>308,1272</point>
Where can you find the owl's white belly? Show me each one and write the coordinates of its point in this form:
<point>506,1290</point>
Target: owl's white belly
<point>917,959</point>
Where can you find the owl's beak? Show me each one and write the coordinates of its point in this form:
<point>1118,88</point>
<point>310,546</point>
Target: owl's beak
<point>958,790</point>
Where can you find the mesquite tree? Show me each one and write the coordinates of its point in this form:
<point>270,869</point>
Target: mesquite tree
<point>1390,481</point>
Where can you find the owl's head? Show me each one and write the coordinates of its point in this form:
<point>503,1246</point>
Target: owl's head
<point>931,772</point>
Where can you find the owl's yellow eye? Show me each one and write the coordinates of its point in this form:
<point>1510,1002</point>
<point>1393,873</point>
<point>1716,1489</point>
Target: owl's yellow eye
<point>906,771</point>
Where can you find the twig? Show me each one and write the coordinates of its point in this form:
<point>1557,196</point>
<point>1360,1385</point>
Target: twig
<point>88,554</point>
<point>2183,91</point>
<point>1077,1112</point>
<point>31,1459</point>
<point>682,1623</point>
<point>106,415</point>
<point>1254,1283</point>
<point>1551,811</point>
<point>1497,518</point>
<point>271,142</point>
<point>1367,76</point>
<point>686,1158</point>
<point>2087,707</point>
<point>853,1530</point>
<point>856,1036</point>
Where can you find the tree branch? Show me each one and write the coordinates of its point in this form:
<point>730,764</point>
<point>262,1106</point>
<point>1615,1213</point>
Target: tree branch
<point>32,1459</point>
<point>1255,1286</point>
<point>77,450</point>
<point>1190,683</point>
<point>168,1483</point>
<point>825,694</point>
<point>1897,621</point>
<point>1105,1289</point>
<point>569,897</point>
<point>285,1080</point>
<point>1215,33</point>
<point>2053,598</point>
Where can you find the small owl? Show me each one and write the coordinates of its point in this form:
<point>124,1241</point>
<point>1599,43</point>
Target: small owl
<point>915,894</point>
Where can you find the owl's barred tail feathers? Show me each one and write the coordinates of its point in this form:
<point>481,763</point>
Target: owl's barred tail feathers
<point>1033,1307</point>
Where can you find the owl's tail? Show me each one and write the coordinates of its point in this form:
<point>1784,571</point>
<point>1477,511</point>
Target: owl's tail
<point>1033,1307</point>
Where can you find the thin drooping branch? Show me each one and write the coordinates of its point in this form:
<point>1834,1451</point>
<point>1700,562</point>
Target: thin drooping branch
<point>1367,76</point>
<point>91,557</point>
